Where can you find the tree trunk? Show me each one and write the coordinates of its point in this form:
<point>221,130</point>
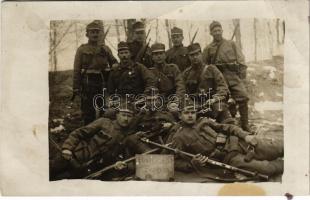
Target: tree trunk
<point>237,32</point>
<point>168,31</point>
<point>117,31</point>
<point>270,40</point>
<point>255,39</point>
<point>277,29</point>
<point>129,29</point>
<point>283,26</point>
<point>157,32</point>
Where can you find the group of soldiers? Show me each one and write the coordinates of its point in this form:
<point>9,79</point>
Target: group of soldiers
<point>190,102</point>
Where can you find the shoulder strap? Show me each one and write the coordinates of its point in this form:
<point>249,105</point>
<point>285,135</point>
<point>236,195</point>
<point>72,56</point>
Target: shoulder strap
<point>213,59</point>
<point>203,72</point>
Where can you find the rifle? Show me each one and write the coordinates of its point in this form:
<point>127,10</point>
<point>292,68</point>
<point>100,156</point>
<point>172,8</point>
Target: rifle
<point>193,39</point>
<point>100,172</point>
<point>141,53</point>
<point>209,161</point>
<point>234,33</point>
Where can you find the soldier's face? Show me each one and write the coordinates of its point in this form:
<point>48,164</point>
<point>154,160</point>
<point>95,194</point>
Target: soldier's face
<point>177,39</point>
<point>139,36</point>
<point>195,58</point>
<point>124,55</point>
<point>93,35</point>
<point>159,57</point>
<point>124,118</point>
<point>188,116</point>
<point>217,33</point>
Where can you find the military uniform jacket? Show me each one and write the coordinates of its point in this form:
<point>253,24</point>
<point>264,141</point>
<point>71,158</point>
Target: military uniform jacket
<point>178,56</point>
<point>203,138</point>
<point>228,53</point>
<point>207,78</point>
<point>102,136</point>
<point>169,80</point>
<point>92,58</point>
<point>134,48</point>
<point>132,79</point>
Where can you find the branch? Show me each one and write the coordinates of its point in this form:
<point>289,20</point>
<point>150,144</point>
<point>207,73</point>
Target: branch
<point>63,35</point>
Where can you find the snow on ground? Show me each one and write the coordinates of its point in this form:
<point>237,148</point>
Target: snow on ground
<point>263,106</point>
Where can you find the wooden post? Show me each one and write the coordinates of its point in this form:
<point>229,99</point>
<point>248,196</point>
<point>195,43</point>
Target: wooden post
<point>277,29</point>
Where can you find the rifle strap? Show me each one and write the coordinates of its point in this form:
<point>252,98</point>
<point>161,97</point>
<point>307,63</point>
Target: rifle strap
<point>217,52</point>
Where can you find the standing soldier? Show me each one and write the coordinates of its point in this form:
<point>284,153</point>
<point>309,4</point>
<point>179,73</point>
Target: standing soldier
<point>140,51</point>
<point>206,81</point>
<point>129,77</point>
<point>91,65</point>
<point>168,76</point>
<point>178,54</point>
<point>230,61</point>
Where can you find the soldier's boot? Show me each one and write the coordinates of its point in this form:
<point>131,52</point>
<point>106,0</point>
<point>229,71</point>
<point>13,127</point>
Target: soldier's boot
<point>244,119</point>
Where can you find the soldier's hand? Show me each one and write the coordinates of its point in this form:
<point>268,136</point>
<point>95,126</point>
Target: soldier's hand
<point>199,160</point>
<point>231,101</point>
<point>251,139</point>
<point>167,125</point>
<point>140,134</point>
<point>173,106</point>
<point>210,102</point>
<point>67,154</point>
<point>119,165</point>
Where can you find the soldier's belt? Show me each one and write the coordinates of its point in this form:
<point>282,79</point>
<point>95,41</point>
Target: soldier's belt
<point>91,71</point>
<point>234,67</point>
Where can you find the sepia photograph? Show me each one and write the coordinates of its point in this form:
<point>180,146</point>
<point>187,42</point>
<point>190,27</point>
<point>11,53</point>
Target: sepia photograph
<point>151,99</point>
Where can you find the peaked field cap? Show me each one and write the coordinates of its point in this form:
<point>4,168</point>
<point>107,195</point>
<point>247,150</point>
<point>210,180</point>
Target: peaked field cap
<point>95,25</point>
<point>158,47</point>
<point>176,31</point>
<point>214,24</point>
<point>138,26</point>
<point>194,48</point>
<point>188,104</point>
<point>122,46</point>
<point>126,107</point>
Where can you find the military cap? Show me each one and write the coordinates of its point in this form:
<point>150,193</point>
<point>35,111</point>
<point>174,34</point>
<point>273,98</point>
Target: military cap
<point>122,46</point>
<point>138,26</point>
<point>194,48</point>
<point>95,25</point>
<point>176,31</point>
<point>215,24</point>
<point>188,104</point>
<point>158,47</point>
<point>126,106</point>
<point>152,93</point>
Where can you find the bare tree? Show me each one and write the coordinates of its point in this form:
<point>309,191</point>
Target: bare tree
<point>117,31</point>
<point>168,32</point>
<point>255,39</point>
<point>283,27</point>
<point>270,39</point>
<point>129,29</point>
<point>237,32</point>
<point>157,31</point>
<point>277,29</point>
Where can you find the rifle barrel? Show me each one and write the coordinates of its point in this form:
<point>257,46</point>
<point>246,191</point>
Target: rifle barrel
<point>98,173</point>
<point>210,161</point>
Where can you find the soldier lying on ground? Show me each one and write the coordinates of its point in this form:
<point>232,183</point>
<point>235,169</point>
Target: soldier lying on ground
<point>102,141</point>
<point>223,142</point>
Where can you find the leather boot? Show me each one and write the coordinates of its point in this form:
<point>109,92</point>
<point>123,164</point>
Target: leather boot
<point>244,119</point>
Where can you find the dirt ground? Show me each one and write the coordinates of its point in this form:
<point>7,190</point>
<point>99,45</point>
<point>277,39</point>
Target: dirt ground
<point>264,84</point>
